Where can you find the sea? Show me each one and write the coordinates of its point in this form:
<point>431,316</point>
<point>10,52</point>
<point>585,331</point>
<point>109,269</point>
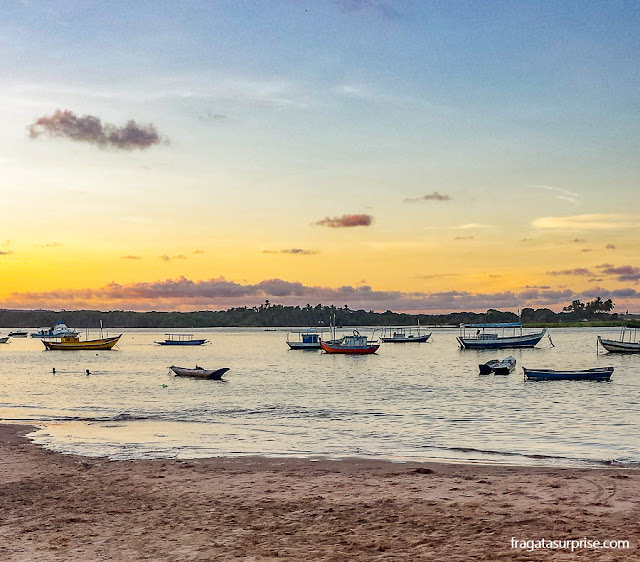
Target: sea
<point>407,402</point>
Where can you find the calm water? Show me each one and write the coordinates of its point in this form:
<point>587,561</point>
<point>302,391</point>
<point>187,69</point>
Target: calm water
<point>408,401</point>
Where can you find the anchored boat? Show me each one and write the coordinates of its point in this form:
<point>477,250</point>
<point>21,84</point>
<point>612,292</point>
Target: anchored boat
<point>199,372</point>
<point>354,344</point>
<point>508,334</point>
<point>74,343</point>
<point>307,339</point>
<point>404,334</point>
<point>597,374</point>
<point>181,339</point>
<point>628,342</point>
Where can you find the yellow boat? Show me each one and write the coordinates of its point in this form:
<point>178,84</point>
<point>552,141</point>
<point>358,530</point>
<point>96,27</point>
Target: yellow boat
<point>73,342</point>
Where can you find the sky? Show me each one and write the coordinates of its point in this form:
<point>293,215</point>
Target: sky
<point>382,154</point>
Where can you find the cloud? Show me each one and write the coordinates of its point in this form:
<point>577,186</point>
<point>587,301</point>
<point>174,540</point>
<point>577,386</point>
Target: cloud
<point>464,237</point>
<point>198,251</point>
<point>624,272</point>
<point>610,247</point>
<point>579,240</point>
<point>130,258</point>
<point>435,196</point>
<point>346,221</point>
<point>586,250</point>
<point>560,193</point>
<point>586,222</point>
<point>6,252</point>
<point>294,251</point>
<point>165,257</point>
<point>576,271</point>
<point>469,225</point>
<point>89,129</point>
<point>49,245</point>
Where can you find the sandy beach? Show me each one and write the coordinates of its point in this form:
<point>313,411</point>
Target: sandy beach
<point>59,507</point>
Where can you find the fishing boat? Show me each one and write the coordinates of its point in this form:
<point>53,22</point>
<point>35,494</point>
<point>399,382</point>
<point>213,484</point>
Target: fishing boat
<point>628,342</point>
<point>18,334</point>
<point>597,374</point>
<point>509,334</point>
<point>60,330</point>
<point>505,367</point>
<point>181,339</point>
<point>5,339</point>
<point>404,334</point>
<point>74,343</point>
<point>487,368</point>
<point>199,372</point>
<point>354,344</point>
<point>307,339</point>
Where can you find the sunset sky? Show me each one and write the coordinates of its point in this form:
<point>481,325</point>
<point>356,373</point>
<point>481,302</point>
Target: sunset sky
<point>384,154</point>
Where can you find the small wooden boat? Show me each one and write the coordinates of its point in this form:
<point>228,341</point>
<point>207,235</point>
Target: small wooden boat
<point>354,345</point>
<point>18,334</point>
<point>4,339</point>
<point>487,368</point>
<point>199,372</point>
<point>69,343</point>
<point>404,334</point>
<point>597,374</point>
<point>628,342</point>
<point>307,339</point>
<point>483,339</point>
<point>181,339</point>
<point>505,367</point>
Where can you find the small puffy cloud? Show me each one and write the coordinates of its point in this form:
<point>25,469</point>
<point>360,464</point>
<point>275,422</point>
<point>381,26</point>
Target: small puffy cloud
<point>165,257</point>
<point>90,129</point>
<point>624,272</point>
<point>576,271</point>
<point>292,251</point>
<point>346,221</point>
<point>610,247</point>
<point>435,196</point>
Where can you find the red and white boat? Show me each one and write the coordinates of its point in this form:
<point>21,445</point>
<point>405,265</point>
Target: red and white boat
<point>355,345</point>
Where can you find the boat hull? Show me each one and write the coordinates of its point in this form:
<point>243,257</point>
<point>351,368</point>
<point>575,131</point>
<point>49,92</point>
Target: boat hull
<point>188,342</point>
<point>303,345</point>
<point>93,345</point>
<point>4,340</point>
<point>529,340</point>
<point>208,374</point>
<point>599,374</point>
<point>348,350</point>
<point>18,334</point>
<point>613,346</point>
<point>408,339</point>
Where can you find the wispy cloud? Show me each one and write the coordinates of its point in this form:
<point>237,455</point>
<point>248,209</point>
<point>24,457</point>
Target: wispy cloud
<point>90,129</point>
<point>464,238</point>
<point>346,221</point>
<point>610,247</point>
<point>576,271</point>
<point>597,221</point>
<point>435,196</point>
<point>560,193</point>
<point>382,7</point>
<point>198,251</point>
<point>130,258</point>
<point>293,251</point>
<point>471,225</point>
<point>6,252</point>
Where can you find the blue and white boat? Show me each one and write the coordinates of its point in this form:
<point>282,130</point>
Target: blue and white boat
<point>307,339</point>
<point>597,374</point>
<point>497,336</point>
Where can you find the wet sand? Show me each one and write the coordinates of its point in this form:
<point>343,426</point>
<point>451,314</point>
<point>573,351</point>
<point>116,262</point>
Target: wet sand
<point>59,507</point>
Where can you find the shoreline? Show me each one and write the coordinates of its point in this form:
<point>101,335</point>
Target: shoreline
<point>66,507</point>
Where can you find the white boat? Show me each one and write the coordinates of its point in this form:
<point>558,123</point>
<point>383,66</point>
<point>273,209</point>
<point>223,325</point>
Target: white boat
<point>404,334</point>
<point>60,330</point>
<point>307,339</point>
<point>628,342</point>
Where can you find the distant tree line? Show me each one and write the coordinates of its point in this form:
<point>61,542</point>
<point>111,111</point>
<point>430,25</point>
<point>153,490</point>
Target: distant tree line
<point>277,315</point>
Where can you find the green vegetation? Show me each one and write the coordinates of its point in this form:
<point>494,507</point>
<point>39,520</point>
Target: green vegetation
<point>593,313</point>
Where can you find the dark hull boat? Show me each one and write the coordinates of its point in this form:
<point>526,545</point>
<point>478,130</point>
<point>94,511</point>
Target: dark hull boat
<point>597,374</point>
<point>487,368</point>
<point>181,339</point>
<point>483,339</point>
<point>199,372</point>
<point>505,367</point>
